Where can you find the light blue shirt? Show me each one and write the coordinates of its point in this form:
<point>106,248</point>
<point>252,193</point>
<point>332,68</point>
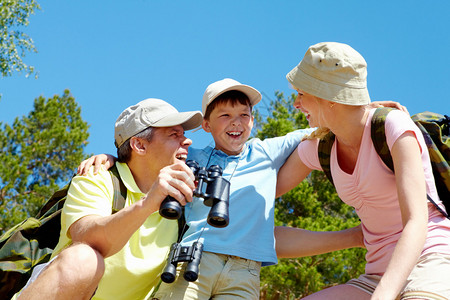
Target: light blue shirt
<point>253,176</point>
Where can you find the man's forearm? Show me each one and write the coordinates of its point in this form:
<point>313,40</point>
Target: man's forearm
<point>109,234</point>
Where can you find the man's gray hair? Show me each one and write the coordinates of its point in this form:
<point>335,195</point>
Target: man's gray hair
<point>124,151</point>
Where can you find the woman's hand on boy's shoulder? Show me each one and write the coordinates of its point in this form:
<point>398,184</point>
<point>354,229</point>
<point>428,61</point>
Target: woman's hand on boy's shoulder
<point>392,104</point>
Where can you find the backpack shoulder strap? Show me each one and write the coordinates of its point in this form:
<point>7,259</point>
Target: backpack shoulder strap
<point>120,191</point>
<point>378,134</point>
<point>55,203</point>
<point>324,149</point>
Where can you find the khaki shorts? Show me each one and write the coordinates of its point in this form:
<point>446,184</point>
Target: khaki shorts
<point>220,277</point>
<point>430,279</point>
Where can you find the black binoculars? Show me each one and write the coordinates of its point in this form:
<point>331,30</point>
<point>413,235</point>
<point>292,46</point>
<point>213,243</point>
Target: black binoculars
<point>212,187</point>
<point>191,254</point>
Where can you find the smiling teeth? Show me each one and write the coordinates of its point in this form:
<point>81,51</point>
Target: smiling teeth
<point>234,133</point>
<point>182,156</point>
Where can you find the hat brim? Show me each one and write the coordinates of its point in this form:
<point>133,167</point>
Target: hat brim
<point>326,90</point>
<point>189,120</point>
<point>253,94</point>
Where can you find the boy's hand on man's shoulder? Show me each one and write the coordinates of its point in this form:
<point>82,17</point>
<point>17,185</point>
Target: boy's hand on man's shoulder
<point>99,160</point>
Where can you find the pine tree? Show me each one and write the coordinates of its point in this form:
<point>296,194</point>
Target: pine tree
<point>38,154</point>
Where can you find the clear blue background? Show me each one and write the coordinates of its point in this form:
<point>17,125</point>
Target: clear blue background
<point>112,54</point>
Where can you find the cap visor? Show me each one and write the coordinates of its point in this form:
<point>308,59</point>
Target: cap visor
<point>189,120</point>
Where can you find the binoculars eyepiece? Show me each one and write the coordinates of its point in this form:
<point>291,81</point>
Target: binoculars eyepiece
<point>191,254</point>
<point>212,187</point>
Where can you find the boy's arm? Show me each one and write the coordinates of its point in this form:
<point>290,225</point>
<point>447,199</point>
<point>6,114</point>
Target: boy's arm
<point>291,174</point>
<point>107,160</point>
<point>296,242</point>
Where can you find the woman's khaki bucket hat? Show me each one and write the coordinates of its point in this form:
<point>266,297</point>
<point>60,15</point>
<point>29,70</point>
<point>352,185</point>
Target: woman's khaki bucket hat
<point>334,72</point>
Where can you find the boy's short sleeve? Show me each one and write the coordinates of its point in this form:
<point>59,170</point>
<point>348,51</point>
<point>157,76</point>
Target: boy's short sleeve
<point>280,148</point>
<point>308,153</point>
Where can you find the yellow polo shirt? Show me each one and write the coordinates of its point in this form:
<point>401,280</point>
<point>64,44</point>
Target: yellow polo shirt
<point>134,271</point>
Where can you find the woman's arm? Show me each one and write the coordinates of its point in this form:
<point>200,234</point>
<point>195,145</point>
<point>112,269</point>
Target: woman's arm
<point>296,242</point>
<point>410,181</point>
<point>291,174</point>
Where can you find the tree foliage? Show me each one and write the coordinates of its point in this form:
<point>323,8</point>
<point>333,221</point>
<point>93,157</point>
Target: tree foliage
<point>38,153</point>
<point>313,205</point>
<point>14,43</point>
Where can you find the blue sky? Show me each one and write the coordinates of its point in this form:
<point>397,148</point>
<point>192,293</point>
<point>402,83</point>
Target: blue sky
<point>112,54</point>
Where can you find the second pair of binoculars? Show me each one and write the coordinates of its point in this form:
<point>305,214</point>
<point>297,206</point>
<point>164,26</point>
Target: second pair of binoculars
<point>212,187</point>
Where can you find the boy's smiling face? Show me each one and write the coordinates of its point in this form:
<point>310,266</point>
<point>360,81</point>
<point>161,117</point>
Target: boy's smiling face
<point>230,126</point>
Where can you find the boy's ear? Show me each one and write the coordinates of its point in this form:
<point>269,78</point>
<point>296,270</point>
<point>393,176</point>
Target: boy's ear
<point>205,125</point>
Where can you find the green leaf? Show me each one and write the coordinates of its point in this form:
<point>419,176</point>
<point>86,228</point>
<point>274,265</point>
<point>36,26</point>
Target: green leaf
<point>14,44</point>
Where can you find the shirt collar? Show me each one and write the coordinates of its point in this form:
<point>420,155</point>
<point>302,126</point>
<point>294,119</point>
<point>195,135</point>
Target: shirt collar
<point>212,151</point>
<point>127,177</point>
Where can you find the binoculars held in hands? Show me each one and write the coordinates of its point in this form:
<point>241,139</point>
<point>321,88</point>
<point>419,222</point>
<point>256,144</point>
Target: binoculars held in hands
<point>191,254</point>
<point>212,187</point>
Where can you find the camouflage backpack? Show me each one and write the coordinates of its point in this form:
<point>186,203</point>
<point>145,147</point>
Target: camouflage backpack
<point>32,241</point>
<point>435,129</point>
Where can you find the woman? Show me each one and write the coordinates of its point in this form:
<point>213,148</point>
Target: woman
<point>407,239</point>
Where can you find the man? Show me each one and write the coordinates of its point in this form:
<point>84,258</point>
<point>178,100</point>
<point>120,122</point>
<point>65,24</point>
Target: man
<point>119,256</point>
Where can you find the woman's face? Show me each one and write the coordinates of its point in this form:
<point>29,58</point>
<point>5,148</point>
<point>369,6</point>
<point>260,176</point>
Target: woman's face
<point>310,107</point>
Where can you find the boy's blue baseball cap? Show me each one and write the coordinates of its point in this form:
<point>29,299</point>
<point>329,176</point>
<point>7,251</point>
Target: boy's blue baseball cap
<point>217,88</point>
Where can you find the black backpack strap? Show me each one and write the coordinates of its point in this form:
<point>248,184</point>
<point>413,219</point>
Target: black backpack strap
<point>182,225</point>
<point>120,191</point>
<point>378,134</point>
<point>324,149</point>
<point>437,207</point>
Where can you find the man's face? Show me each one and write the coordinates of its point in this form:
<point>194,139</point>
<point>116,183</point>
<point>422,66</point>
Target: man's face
<point>168,145</point>
<point>230,126</point>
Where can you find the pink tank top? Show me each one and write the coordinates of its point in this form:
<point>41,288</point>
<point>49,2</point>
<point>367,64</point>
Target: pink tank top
<point>371,190</point>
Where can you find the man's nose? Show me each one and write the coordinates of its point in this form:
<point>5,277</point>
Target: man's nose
<point>186,141</point>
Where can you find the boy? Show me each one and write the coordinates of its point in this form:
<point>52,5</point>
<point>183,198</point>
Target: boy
<point>232,256</point>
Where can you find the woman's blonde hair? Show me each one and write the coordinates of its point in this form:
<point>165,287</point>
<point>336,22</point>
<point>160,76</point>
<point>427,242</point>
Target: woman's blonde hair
<point>317,134</point>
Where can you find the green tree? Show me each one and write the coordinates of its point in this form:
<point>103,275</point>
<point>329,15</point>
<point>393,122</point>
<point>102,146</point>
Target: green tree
<point>14,43</point>
<point>313,205</point>
<point>39,153</point>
